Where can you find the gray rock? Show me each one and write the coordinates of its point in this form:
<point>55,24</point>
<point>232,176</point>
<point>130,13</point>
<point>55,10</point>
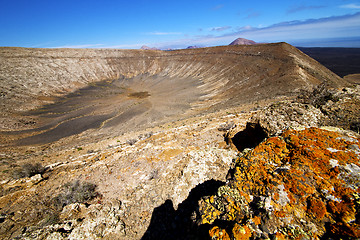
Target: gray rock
<point>286,115</point>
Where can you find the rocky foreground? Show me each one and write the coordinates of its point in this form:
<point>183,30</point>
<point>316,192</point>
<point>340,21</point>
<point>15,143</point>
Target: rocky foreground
<point>281,175</point>
<point>303,184</point>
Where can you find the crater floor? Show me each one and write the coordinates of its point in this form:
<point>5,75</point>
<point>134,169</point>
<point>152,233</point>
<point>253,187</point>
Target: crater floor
<point>113,107</point>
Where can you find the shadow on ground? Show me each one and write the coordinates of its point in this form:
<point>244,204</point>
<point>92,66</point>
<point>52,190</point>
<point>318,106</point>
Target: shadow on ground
<point>250,137</point>
<point>168,223</point>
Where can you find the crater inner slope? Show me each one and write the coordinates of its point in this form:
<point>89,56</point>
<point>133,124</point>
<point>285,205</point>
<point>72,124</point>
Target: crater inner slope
<point>49,94</point>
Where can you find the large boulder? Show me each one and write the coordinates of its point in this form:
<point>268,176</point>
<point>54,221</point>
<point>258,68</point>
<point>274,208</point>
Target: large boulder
<point>274,119</point>
<point>344,110</point>
<point>341,107</point>
<point>286,115</point>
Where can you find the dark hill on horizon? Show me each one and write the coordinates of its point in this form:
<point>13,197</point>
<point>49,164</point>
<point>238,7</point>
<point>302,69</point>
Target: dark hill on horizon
<point>342,61</point>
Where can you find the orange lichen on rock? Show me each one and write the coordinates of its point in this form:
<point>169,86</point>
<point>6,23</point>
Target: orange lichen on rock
<point>279,236</point>
<point>344,211</point>
<point>256,220</point>
<point>317,208</point>
<point>241,232</point>
<point>218,233</point>
<point>252,168</point>
<point>280,213</point>
<point>345,230</point>
<point>298,182</point>
<point>210,212</point>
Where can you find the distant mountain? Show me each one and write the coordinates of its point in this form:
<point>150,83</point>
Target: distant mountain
<point>148,48</point>
<point>242,41</point>
<point>192,47</point>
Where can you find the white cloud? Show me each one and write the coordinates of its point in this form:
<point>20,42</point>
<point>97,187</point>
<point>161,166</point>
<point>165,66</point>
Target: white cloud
<point>347,26</point>
<point>339,26</point>
<point>244,28</point>
<point>220,29</point>
<point>351,6</point>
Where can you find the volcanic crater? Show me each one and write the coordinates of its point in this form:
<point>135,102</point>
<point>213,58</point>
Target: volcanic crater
<point>49,94</point>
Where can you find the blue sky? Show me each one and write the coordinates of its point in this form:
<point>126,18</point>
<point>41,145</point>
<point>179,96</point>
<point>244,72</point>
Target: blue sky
<point>177,24</point>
